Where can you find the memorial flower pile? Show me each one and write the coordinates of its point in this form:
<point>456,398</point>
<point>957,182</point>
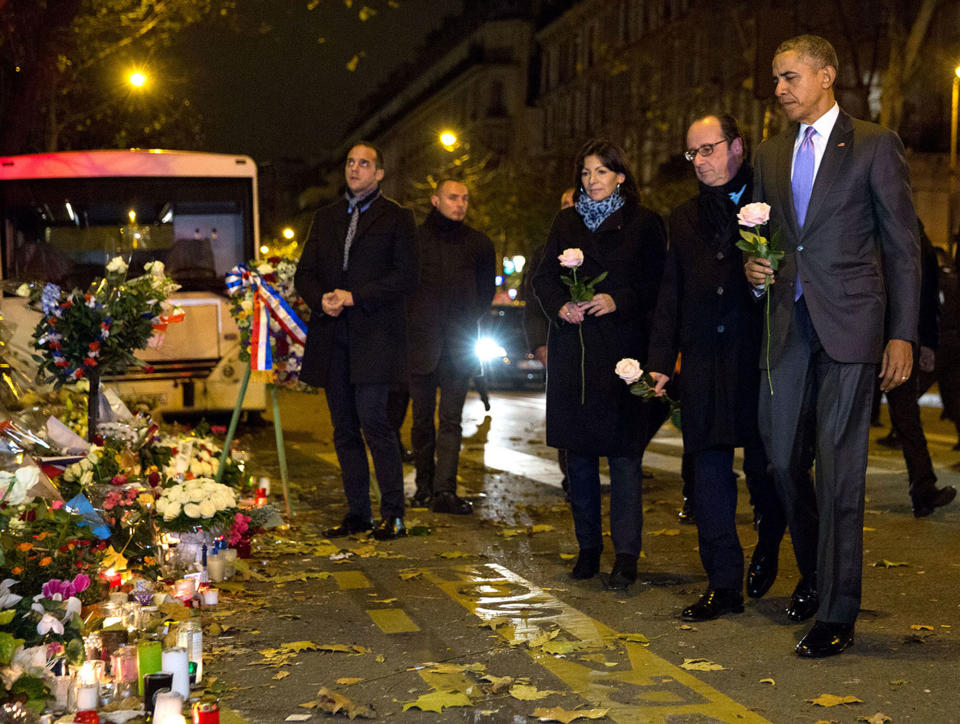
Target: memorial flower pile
<point>201,503</point>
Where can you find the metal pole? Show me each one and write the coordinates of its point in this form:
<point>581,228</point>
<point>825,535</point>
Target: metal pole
<point>233,424</point>
<point>952,189</point>
<point>281,452</point>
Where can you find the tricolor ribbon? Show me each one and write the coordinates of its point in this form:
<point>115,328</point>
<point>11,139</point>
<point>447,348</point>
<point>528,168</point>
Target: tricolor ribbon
<point>267,303</point>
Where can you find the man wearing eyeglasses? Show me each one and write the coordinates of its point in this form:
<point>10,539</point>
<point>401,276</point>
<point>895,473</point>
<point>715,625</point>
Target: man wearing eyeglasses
<point>706,312</point>
<point>840,202</point>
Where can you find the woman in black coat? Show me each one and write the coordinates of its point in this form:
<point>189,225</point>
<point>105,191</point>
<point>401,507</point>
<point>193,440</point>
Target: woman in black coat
<point>593,414</point>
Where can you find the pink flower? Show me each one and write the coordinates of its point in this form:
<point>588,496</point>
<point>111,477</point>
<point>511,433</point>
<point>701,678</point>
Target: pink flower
<point>119,479</point>
<point>571,258</point>
<point>628,370</point>
<point>754,214</point>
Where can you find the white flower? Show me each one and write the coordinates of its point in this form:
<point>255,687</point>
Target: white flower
<point>154,268</point>
<point>207,508</point>
<point>49,623</point>
<point>628,370</point>
<point>247,305</point>
<point>23,290</point>
<point>161,505</point>
<point>8,599</point>
<point>117,265</point>
<point>93,456</point>
<point>265,268</point>
<point>191,510</point>
<point>571,258</point>
<point>172,511</point>
<point>74,607</point>
<point>85,464</point>
<point>86,479</point>
<point>23,480</point>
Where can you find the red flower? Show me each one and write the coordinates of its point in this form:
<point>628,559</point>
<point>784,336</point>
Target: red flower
<point>95,345</point>
<point>67,304</point>
<point>154,479</point>
<point>89,361</point>
<point>78,373</point>
<point>64,549</point>
<point>119,479</point>
<point>61,363</point>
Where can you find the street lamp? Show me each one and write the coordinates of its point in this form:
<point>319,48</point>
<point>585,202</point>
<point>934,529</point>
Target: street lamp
<point>137,79</point>
<point>952,201</point>
<point>287,233</point>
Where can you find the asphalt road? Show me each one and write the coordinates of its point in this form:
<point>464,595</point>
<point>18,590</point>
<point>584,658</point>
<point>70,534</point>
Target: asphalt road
<point>448,614</point>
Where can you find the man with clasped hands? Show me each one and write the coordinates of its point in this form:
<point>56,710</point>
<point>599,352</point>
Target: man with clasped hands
<point>359,261</point>
<point>840,197</point>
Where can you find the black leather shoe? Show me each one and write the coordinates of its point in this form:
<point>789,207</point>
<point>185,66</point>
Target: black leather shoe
<point>891,441</point>
<point>624,572</point>
<point>825,639</point>
<point>714,603</point>
<point>804,602</point>
<point>926,504</point>
<point>348,526</point>
<point>421,499</point>
<point>389,528</point>
<point>587,565</point>
<point>686,512</point>
<point>447,501</point>
<point>762,572</point>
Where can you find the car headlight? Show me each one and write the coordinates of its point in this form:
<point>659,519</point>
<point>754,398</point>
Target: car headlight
<point>487,349</point>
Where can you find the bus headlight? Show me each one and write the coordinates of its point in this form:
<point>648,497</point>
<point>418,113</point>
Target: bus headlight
<point>487,349</point>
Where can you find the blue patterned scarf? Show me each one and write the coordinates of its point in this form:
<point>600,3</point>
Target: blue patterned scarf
<point>595,213</point>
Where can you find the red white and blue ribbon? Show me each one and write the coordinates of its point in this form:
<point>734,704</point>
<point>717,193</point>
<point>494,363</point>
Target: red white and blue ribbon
<point>267,304</point>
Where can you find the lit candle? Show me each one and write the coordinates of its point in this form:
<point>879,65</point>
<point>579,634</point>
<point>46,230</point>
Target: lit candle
<point>149,659</point>
<point>211,597</point>
<point>172,719</point>
<point>185,588</point>
<point>229,562</point>
<point>167,704</point>
<point>88,698</point>
<point>215,567</point>
<point>176,662</point>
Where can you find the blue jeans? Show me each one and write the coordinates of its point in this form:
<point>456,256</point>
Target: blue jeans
<point>626,503</point>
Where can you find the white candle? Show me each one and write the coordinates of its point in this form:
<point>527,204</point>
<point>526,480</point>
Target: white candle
<point>167,704</point>
<point>175,662</point>
<point>211,597</point>
<point>229,562</point>
<point>185,588</point>
<point>88,697</point>
<point>171,719</point>
<point>215,568</point>
<point>118,597</point>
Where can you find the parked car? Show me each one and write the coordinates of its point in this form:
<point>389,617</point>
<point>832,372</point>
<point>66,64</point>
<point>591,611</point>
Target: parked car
<point>502,349</point>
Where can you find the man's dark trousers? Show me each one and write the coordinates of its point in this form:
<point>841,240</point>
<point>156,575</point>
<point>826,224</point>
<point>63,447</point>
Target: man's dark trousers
<point>437,451</point>
<point>905,416</point>
<point>807,382</point>
<point>358,413</point>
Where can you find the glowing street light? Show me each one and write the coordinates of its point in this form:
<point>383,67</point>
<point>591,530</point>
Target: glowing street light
<point>287,233</point>
<point>951,200</point>
<point>448,139</point>
<point>137,79</point>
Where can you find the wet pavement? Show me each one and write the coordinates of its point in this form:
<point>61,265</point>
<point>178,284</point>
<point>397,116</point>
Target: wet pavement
<point>475,618</point>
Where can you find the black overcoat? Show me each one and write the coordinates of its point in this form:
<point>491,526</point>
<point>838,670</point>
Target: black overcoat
<point>382,270</point>
<point>630,246</point>
<point>707,312</point>
<point>457,269</point>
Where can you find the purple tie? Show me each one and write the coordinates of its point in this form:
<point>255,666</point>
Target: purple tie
<point>803,184</point>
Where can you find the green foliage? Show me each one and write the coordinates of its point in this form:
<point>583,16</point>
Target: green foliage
<point>32,689</point>
<point>8,643</point>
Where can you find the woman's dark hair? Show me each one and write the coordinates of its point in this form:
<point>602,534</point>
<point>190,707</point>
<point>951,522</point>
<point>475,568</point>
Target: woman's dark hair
<point>613,158</point>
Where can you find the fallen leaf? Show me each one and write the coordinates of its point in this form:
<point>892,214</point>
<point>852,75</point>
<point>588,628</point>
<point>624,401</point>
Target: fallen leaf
<point>492,623</point>
<point>568,556</point>
<point>454,554</point>
<point>700,665</point>
<point>410,575</point>
<point>868,529</point>
<point>890,564</point>
<point>635,638</point>
<point>921,627</point>
<point>298,646</point>
<point>342,648</point>
<point>512,532</point>
<point>281,675</point>
<point>898,682</point>
<point>381,658</point>
<point>562,647</point>
<point>527,692</point>
<point>332,702</point>
<point>687,627</point>
<point>438,700</point>
<point>566,716</point>
<point>665,531</point>
<point>498,683</point>
<point>541,528</point>
<point>834,700</point>
<point>542,638</point>
<point>878,718</point>
<point>454,668</point>
<point>348,680</point>
<point>383,600</point>
<point>768,681</point>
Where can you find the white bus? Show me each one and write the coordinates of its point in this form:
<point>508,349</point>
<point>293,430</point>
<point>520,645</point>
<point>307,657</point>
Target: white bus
<point>63,215</point>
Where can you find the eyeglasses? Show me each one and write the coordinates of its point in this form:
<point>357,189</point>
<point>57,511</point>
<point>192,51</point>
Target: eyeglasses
<point>705,150</point>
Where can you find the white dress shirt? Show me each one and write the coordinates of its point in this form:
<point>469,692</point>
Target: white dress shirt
<point>823,127</point>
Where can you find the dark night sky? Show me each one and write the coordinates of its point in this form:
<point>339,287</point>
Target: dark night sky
<point>281,93</point>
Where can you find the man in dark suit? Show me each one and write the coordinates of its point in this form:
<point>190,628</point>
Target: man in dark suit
<point>706,312</point>
<point>358,263</point>
<point>841,206</point>
<point>457,269</point>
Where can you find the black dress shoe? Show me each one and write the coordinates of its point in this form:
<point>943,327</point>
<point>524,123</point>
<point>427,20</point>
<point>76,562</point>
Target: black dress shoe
<point>421,499</point>
<point>389,528</point>
<point>348,526</point>
<point>804,602</point>
<point>714,603</point>
<point>825,639</point>
<point>924,505</point>
<point>762,572</point>
<point>624,572</point>
<point>891,441</point>
<point>447,501</point>
<point>686,512</point>
<point>587,565</point>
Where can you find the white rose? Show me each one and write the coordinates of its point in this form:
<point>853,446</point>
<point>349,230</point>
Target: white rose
<point>192,510</point>
<point>207,508</point>
<point>628,370</point>
<point>154,267</point>
<point>26,478</point>
<point>172,511</point>
<point>265,268</point>
<point>161,505</point>
<point>196,495</point>
<point>85,465</point>
<point>86,478</point>
<point>117,265</point>
<point>174,495</point>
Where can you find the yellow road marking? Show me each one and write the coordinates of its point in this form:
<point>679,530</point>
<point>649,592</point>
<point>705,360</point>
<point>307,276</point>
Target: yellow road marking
<point>351,579</point>
<point>643,687</point>
<point>392,620</point>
